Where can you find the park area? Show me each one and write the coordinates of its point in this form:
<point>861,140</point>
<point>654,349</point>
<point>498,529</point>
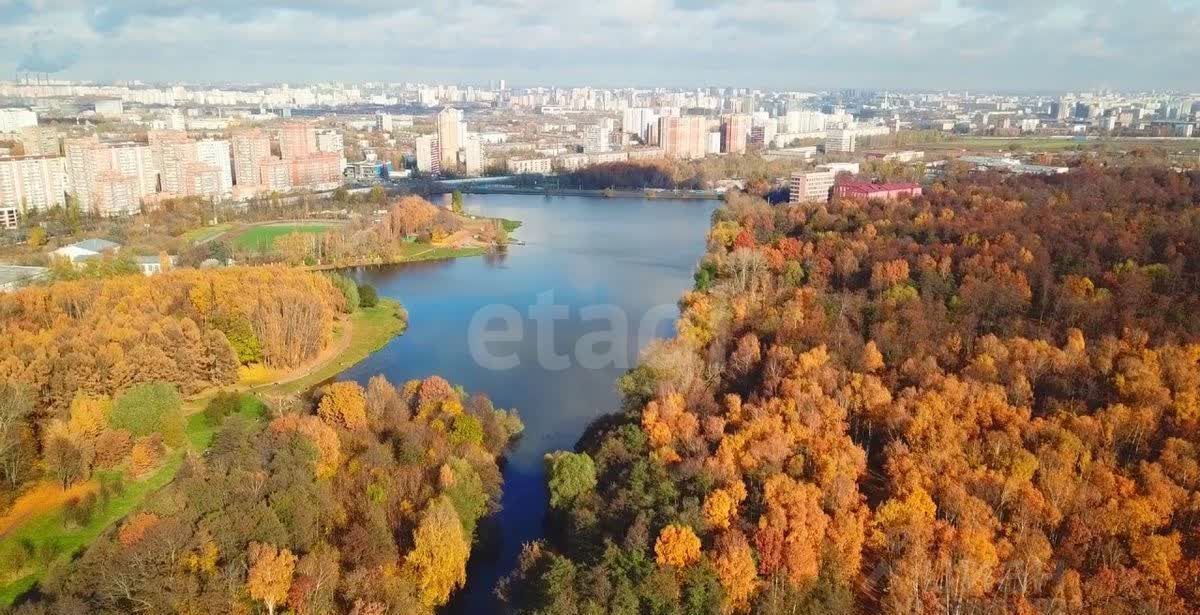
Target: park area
<point>261,238</point>
<point>49,524</point>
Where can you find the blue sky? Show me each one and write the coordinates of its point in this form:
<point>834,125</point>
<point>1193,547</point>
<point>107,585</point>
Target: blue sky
<point>796,44</point>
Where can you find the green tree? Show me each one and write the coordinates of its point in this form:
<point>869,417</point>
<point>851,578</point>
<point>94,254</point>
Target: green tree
<point>149,408</point>
<point>571,475</point>
<point>349,290</point>
<point>456,201</point>
<point>367,296</point>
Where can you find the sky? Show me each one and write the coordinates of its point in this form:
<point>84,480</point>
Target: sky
<point>1001,45</point>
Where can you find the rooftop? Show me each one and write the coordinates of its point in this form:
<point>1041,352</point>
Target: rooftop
<point>97,245</point>
<point>10,274</point>
<point>861,186</point>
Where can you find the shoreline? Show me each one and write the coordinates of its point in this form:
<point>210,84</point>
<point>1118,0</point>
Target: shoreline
<point>611,193</point>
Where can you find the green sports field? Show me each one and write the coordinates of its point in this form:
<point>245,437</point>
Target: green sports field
<point>260,238</point>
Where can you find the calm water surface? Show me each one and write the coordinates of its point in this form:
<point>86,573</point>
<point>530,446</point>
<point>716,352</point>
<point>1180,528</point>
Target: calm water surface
<point>635,254</point>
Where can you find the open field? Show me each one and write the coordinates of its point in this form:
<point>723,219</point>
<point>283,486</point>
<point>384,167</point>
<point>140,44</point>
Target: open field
<point>206,233</point>
<point>44,537</point>
<point>261,237</point>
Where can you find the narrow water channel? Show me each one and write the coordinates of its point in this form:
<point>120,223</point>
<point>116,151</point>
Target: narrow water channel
<point>592,272</point>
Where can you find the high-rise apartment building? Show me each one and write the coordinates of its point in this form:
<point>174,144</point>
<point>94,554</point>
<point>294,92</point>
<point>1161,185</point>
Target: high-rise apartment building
<point>734,129</point>
<point>639,121</point>
<point>429,154</point>
<point>13,120</point>
<point>449,134</point>
<point>250,149</point>
<point>173,151</point>
<point>811,185</point>
<point>216,154</point>
<point>275,175</point>
<point>683,137</point>
<point>803,121</point>
<point>125,174</point>
<point>110,179</point>
<point>331,141</point>
<point>40,141</point>
<point>318,169</point>
<point>595,139</point>
<point>297,139</point>
<point>839,142</point>
<point>33,183</point>
<point>473,155</point>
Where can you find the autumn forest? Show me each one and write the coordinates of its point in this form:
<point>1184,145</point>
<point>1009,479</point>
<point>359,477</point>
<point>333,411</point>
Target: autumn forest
<point>982,400</point>
<point>985,400</point>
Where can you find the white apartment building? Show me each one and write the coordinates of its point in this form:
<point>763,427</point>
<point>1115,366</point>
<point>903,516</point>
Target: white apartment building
<point>839,142</point>
<point>595,139</point>
<point>331,141</point>
<point>450,133</point>
<point>216,153</point>
<point>521,166</point>
<point>472,155</point>
<point>804,121</point>
<point>637,121</point>
<point>13,120</point>
<point>811,186</point>
<point>429,154</point>
<point>33,183</point>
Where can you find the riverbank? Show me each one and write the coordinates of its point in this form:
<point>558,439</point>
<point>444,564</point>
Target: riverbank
<point>609,193</point>
<point>46,537</point>
<point>418,253</point>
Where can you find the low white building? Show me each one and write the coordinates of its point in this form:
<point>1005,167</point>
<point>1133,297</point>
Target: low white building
<point>13,277</point>
<point>85,250</point>
<point>151,265</point>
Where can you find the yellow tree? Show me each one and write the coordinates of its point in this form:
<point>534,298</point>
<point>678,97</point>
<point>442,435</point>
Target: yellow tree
<point>270,576</point>
<point>344,405</point>
<point>719,507</point>
<point>440,551</point>
<point>677,546</point>
<point>734,566</point>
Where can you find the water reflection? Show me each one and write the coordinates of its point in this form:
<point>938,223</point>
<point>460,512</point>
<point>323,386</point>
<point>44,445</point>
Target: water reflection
<point>635,254</point>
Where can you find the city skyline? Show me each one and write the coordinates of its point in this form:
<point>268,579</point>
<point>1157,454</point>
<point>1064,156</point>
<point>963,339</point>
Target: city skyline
<point>911,44</point>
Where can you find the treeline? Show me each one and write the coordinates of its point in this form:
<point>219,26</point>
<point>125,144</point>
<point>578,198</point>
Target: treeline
<point>983,400</point>
<point>92,341</point>
<point>365,502</point>
<point>411,219</point>
<point>670,174</point>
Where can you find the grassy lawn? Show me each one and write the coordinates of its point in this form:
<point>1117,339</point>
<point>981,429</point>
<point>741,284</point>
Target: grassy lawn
<point>260,238</point>
<point>412,252</point>
<point>205,233</point>
<point>50,539</point>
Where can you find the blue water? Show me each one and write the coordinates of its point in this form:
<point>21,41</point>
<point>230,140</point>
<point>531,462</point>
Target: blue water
<point>589,257</point>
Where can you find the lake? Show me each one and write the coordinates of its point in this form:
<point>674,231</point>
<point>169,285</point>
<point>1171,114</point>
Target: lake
<point>545,329</point>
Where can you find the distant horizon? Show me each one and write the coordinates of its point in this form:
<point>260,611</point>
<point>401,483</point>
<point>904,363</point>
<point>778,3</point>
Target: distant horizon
<point>42,79</point>
<point>921,45</point>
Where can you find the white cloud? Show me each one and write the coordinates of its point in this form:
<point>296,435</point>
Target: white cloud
<point>772,43</point>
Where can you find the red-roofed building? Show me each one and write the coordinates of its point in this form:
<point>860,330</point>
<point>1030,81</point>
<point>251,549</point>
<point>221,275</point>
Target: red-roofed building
<point>867,190</point>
